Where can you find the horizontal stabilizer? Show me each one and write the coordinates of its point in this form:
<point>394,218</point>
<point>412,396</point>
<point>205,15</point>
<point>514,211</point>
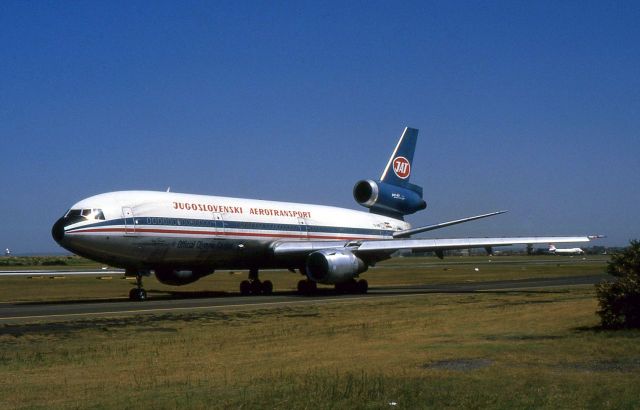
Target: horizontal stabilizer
<point>407,233</point>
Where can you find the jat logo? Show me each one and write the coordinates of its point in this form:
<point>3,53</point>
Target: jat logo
<point>402,167</point>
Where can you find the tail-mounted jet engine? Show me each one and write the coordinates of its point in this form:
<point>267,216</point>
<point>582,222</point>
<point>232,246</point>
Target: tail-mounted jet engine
<point>175,277</point>
<point>332,267</point>
<point>389,199</point>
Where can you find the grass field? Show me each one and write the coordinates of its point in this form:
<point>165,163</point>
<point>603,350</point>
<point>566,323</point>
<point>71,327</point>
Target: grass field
<point>398,271</point>
<point>502,349</point>
<point>45,262</point>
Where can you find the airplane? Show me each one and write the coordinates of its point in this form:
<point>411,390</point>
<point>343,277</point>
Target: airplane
<point>183,237</point>
<point>567,251</point>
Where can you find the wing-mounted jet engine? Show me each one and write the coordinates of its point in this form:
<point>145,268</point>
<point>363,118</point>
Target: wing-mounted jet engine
<point>334,267</point>
<point>393,195</point>
<point>331,266</point>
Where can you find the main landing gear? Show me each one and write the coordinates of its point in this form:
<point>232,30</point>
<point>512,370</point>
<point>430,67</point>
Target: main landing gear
<point>254,286</point>
<point>138,293</point>
<point>307,287</point>
<point>353,286</point>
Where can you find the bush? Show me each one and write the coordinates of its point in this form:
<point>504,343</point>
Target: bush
<point>620,301</point>
<point>54,262</point>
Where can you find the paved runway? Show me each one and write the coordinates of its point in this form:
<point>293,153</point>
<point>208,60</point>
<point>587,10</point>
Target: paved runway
<point>189,301</point>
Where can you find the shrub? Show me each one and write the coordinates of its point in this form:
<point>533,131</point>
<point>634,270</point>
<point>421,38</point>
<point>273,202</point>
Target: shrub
<point>620,301</point>
<point>54,262</point>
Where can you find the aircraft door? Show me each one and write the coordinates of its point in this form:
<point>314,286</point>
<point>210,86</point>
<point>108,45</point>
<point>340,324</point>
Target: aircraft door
<point>129,221</point>
<point>218,223</point>
<point>304,228</point>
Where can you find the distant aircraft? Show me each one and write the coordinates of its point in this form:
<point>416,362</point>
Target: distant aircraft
<point>182,238</point>
<point>7,252</point>
<point>568,251</point>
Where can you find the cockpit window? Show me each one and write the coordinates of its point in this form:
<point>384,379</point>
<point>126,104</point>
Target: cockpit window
<point>73,213</point>
<point>86,213</point>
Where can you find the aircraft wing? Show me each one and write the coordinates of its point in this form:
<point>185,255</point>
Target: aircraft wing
<point>382,248</point>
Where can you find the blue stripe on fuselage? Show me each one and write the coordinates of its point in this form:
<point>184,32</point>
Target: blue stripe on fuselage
<point>141,221</point>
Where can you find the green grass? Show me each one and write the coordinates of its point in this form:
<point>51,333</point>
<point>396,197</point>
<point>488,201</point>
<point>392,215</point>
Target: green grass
<point>399,271</point>
<point>462,269</point>
<point>537,349</point>
<point>504,349</point>
<point>46,262</point>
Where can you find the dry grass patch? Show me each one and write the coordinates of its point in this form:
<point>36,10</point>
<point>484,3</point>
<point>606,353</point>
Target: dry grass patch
<point>503,349</point>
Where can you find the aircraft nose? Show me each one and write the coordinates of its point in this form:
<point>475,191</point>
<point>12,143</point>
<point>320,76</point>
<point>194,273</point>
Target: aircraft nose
<point>57,231</point>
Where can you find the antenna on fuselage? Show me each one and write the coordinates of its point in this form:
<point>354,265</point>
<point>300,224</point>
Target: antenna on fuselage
<point>168,189</point>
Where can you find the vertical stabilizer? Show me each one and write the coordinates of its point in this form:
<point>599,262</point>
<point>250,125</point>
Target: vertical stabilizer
<point>398,169</point>
<point>393,195</point>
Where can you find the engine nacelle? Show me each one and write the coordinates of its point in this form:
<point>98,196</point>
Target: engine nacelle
<point>390,199</point>
<point>333,266</point>
<point>176,277</point>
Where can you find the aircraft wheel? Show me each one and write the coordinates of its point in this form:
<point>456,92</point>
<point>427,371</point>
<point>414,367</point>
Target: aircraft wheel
<point>267,287</point>
<point>142,295</point>
<point>302,287</point>
<point>138,295</point>
<point>347,287</point>
<point>312,287</point>
<point>352,286</point>
<point>256,287</point>
<point>245,288</point>
<point>362,286</point>
<point>307,287</point>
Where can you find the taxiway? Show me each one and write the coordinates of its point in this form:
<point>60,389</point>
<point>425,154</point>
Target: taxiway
<point>162,302</point>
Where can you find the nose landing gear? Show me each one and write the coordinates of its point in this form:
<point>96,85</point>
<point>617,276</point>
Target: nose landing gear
<point>137,294</point>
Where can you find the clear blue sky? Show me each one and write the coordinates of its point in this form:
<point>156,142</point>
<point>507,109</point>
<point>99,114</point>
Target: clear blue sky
<point>528,106</point>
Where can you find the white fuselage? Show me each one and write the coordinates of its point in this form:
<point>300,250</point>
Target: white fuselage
<point>146,229</point>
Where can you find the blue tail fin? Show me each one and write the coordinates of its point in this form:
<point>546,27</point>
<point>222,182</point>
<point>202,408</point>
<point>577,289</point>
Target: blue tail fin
<point>398,169</point>
<point>393,195</point>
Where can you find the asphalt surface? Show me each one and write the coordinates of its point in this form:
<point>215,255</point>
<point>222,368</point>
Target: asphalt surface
<point>189,301</point>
